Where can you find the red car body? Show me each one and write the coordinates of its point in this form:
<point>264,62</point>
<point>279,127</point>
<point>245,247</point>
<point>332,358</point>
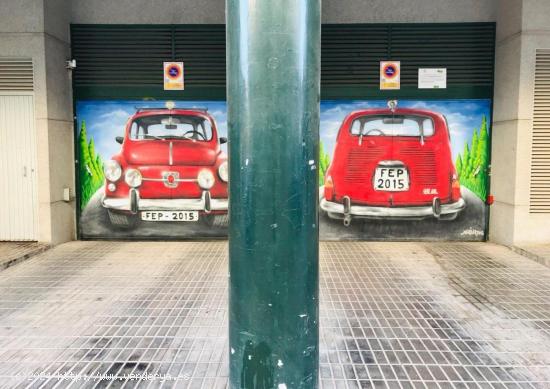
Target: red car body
<point>399,175</point>
<point>169,168</point>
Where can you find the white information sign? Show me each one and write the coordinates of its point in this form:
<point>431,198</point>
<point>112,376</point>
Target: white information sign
<point>432,78</point>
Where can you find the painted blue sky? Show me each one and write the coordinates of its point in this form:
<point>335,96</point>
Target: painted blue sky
<point>106,119</point>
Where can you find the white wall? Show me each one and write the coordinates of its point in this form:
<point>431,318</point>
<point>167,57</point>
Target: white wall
<point>522,27</point>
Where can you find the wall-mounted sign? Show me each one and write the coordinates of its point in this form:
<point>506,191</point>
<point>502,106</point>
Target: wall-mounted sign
<point>390,75</point>
<point>432,78</point>
<point>173,76</point>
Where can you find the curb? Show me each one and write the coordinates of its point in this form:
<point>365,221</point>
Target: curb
<point>15,260</point>
<point>528,254</point>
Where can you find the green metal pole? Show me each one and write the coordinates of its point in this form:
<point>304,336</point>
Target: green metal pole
<point>273,118</point>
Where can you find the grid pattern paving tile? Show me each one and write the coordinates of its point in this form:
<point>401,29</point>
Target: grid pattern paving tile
<point>13,252</point>
<point>537,252</point>
<point>393,315</point>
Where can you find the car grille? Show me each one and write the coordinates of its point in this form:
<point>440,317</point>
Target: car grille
<point>357,164</point>
<point>423,168</point>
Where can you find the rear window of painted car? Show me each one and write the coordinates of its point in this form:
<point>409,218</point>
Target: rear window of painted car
<point>178,127</point>
<point>393,125</point>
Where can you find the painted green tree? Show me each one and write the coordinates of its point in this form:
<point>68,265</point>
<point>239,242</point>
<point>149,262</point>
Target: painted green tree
<point>90,170</point>
<point>472,165</point>
<point>324,162</point>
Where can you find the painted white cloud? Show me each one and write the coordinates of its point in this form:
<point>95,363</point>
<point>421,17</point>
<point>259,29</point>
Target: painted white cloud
<point>116,115</point>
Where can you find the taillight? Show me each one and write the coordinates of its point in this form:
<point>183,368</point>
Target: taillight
<point>455,188</point>
<point>329,188</point>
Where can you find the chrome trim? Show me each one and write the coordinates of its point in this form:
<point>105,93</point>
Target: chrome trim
<point>336,210</point>
<point>391,163</point>
<point>124,204</point>
<point>162,179</point>
<point>436,207</point>
<point>134,200</point>
<point>170,156</point>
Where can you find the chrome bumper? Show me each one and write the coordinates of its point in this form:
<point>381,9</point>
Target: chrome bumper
<point>133,203</point>
<point>336,211</point>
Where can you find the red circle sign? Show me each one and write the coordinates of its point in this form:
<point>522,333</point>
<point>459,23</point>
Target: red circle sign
<point>173,72</point>
<point>390,71</point>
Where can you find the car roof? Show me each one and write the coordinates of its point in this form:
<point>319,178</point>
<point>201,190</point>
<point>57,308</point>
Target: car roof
<point>399,111</point>
<point>176,111</point>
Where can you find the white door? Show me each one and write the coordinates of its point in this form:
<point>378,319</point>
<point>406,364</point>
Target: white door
<point>18,199</point>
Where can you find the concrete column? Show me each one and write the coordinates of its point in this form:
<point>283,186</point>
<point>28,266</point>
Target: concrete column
<point>39,29</point>
<point>273,118</point>
<point>59,123</point>
<point>522,27</point>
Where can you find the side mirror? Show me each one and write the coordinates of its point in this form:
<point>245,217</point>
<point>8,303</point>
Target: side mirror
<point>119,139</point>
<point>223,140</point>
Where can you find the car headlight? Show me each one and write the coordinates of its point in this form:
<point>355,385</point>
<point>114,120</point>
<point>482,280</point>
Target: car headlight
<point>112,170</point>
<point>206,179</point>
<point>133,178</point>
<point>223,172</point>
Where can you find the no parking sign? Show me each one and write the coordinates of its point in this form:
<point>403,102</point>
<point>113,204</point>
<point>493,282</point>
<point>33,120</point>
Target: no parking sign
<point>390,75</point>
<point>173,76</point>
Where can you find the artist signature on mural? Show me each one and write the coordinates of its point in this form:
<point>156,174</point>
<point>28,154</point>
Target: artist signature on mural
<point>472,232</point>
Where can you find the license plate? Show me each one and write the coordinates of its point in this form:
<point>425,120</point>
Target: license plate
<point>391,179</point>
<point>170,216</point>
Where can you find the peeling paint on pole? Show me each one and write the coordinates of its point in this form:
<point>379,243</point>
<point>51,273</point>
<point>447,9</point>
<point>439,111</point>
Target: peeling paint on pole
<point>273,119</point>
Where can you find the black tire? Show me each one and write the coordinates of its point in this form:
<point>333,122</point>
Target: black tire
<point>218,221</point>
<point>121,220</point>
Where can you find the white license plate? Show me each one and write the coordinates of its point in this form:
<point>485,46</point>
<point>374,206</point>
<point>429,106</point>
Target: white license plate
<point>391,179</point>
<point>170,216</point>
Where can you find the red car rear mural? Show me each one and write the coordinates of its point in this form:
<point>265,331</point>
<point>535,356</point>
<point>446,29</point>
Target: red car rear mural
<point>170,168</point>
<point>392,164</point>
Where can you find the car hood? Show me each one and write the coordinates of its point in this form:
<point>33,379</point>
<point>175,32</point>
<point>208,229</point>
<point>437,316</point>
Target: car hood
<point>170,153</point>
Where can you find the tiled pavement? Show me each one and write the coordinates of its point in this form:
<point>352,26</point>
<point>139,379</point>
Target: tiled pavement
<point>13,252</point>
<point>537,252</point>
<point>396,315</point>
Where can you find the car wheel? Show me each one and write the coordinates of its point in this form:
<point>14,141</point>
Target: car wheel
<point>216,220</point>
<point>121,220</point>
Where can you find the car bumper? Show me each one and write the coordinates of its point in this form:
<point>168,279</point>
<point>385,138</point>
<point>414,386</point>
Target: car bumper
<point>133,203</point>
<point>337,211</point>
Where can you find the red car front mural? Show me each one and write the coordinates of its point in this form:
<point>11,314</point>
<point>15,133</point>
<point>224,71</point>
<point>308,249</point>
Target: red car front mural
<point>392,164</point>
<point>170,168</point>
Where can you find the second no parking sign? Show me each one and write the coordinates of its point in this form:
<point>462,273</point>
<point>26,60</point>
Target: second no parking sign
<point>390,75</point>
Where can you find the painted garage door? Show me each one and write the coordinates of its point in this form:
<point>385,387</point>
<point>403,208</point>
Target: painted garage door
<point>394,165</point>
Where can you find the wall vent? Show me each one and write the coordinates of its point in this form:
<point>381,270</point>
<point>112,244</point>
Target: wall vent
<point>16,74</point>
<point>540,154</point>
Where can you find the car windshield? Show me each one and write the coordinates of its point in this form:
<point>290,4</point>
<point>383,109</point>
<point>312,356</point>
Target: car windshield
<point>171,127</point>
<point>393,125</point>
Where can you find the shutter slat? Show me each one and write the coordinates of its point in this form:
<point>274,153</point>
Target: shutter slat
<point>539,197</point>
<point>350,54</point>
